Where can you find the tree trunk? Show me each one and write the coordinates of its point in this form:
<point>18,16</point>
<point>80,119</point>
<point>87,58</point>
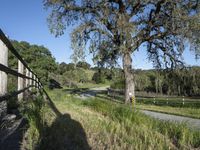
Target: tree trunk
<point>129,82</point>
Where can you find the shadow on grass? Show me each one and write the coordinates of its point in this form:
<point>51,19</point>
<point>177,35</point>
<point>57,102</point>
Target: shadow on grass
<point>63,134</point>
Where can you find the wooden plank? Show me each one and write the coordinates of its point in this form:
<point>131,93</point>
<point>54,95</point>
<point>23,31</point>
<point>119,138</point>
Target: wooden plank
<point>27,79</point>
<point>20,80</point>
<point>37,83</point>
<point>4,61</point>
<point>13,94</point>
<point>12,72</point>
<point>37,86</point>
<point>34,80</point>
<point>31,79</point>
<point>27,92</point>
<point>3,77</point>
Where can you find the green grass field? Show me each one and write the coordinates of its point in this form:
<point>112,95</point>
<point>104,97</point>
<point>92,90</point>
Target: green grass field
<point>100,124</point>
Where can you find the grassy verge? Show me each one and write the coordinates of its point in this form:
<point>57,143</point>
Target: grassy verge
<point>39,116</point>
<point>193,112</point>
<point>132,128</point>
<point>181,111</point>
<point>99,124</point>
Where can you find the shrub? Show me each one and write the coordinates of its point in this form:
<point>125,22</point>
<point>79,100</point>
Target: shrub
<point>119,84</point>
<point>98,77</point>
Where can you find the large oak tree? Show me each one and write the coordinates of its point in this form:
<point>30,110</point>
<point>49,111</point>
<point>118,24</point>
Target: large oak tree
<point>114,29</point>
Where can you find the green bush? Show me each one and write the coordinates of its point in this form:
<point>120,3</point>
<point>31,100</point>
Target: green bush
<point>119,84</point>
<point>98,77</point>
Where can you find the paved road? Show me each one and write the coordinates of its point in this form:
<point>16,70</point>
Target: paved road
<point>194,123</point>
<point>92,92</point>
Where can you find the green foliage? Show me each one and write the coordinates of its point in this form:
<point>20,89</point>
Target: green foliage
<point>112,33</point>
<point>117,28</point>
<point>78,75</point>
<point>63,67</point>
<point>102,75</point>
<point>98,77</point>
<point>119,84</point>
<point>83,65</point>
<point>74,77</point>
<point>37,57</point>
<point>118,80</point>
<point>39,115</point>
<point>181,82</point>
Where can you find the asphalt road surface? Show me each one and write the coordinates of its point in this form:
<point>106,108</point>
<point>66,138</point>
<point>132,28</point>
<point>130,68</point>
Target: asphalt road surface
<point>191,122</point>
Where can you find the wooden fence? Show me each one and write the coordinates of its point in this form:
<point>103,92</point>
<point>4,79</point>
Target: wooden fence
<point>165,100</point>
<point>27,79</point>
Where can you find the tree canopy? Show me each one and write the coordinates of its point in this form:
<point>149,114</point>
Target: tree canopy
<point>37,57</point>
<point>116,28</point>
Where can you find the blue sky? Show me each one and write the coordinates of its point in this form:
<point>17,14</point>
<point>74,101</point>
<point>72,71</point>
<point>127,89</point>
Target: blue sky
<point>25,20</point>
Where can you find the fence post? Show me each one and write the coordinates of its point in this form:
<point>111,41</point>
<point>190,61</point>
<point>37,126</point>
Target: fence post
<point>183,100</point>
<point>30,80</point>
<point>37,87</point>
<point>3,77</point>
<point>26,93</point>
<point>167,101</point>
<point>38,84</point>
<point>27,80</point>
<point>20,80</point>
<point>34,81</point>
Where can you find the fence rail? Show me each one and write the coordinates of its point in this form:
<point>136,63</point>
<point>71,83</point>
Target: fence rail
<point>13,72</point>
<point>159,101</point>
<point>8,44</point>
<point>26,77</point>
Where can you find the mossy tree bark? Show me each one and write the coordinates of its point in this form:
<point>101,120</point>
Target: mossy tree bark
<point>129,78</point>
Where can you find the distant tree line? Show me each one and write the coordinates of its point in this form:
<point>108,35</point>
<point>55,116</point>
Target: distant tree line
<point>73,74</point>
<point>174,82</point>
<point>181,82</point>
<point>40,59</point>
